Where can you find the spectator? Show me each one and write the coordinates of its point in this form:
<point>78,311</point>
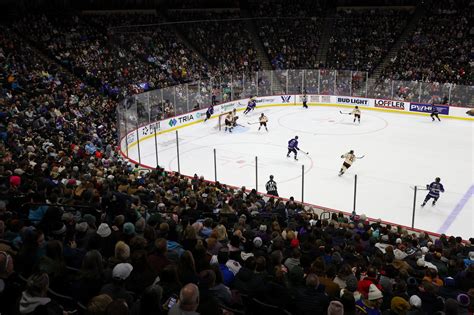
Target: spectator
<point>187,268</point>
<point>312,299</point>
<point>222,258</point>
<point>116,289</point>
<point>150,303</point>
<point>188,301</point>
<point>91,277</point>
<point>33,299</point>
<point>370,304</point>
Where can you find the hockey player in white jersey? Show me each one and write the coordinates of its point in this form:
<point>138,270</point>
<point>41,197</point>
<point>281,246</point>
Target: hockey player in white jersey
<point>349,158</point>
<point>229,122</point>
<point>263,121</point>
<point>356,113</point>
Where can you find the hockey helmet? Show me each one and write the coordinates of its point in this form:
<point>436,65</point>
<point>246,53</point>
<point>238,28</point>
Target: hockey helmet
<point>351,151</point>
<point>271,176</point>
<point>438,179</point>
<point>296,137</point>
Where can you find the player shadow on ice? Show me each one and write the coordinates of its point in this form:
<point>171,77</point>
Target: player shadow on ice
<point>240,129</point>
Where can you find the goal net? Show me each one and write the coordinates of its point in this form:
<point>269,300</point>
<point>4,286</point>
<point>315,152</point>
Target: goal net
<point>220,121</point>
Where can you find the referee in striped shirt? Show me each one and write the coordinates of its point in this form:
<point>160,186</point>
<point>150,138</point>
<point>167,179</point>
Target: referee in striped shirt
<point>271,187</point>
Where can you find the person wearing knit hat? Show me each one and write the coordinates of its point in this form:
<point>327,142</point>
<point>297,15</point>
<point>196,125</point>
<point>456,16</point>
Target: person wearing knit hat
<point>82,227</point>
<point>374,293</point>
<point>335,308</point>
<point>399,306</point>
<point>120,273</point>
<point>295,243</point>
<point>15,181</point>
<point>129,229</point>
<point>415,301</point>
<point>371,304</point>
<point>464,301</point>
<point>104,230</point>
<point>257,242</point>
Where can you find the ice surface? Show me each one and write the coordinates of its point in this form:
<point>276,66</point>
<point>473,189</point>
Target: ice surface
<point>400,151</point>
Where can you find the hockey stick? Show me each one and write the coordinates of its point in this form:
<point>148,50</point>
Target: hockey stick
<point>254,123</point>
<point>307,153</point>
<point>360,157</point>
<point>345,113</point>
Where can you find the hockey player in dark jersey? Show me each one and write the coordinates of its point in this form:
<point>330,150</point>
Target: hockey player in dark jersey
<point>209,112</point>
<point>304,99</point>
<point>434,189</point>
<point>434,112</point>
<point>250,105</point>
<point>293,147</point>
<point>271,187</point>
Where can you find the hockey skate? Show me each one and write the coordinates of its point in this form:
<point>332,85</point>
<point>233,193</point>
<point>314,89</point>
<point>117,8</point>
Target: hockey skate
<point>433,203</point>
<point>423,204</point>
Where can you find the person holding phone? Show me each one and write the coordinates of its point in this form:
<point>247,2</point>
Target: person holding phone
<point>188,301</point>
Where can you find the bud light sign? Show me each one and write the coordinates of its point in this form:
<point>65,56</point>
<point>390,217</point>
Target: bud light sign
<point>426,108</point>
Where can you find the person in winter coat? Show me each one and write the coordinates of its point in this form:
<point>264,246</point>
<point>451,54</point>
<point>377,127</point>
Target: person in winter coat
<point>34,300</point>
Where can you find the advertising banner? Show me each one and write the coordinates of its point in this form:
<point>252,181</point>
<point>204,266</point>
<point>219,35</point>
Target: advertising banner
<point>352,101</point>
<point>426,108</point>
<point>398,105</point>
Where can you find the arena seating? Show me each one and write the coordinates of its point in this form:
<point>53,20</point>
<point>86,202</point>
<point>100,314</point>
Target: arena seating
<point>439,50</point>
<point>83,230</point>
<point>361,38</point>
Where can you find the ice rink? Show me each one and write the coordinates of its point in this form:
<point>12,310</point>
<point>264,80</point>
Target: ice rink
<point>400,151</point>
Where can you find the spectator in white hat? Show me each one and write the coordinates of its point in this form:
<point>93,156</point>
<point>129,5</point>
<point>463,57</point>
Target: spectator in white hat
<point>116,289</point>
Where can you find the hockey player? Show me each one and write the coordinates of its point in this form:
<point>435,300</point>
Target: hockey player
<point>434,112</point>
<point>434,189</point>
<point>209,112</point>
<point>356,113</point>
<point>292,147</point>
<point>234,117</point>
<point>271,187</point>
<point>349,158</point>
<point>250,105</point>
<point>229,122</point>
<point>304,98</point>
<point>263,121</point>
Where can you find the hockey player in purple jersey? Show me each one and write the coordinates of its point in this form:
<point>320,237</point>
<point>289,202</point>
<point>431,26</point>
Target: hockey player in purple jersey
<point>293,147</point>
<point>209,112</point>
<point>434,189</point>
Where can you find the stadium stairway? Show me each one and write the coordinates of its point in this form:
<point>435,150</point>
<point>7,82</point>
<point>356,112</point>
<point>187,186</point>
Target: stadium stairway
<point>418,14</point>
<point>257,43</point>
<point>328,27</point>
<point>184,40</point>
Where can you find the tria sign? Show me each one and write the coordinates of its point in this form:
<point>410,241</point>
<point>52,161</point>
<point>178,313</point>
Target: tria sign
<point>179,120</point>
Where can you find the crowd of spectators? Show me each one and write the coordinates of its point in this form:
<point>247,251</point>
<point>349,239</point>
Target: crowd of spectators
<point>362,38</point>
<point>83,230</point>
<point>440,49</point>
<point>222,37</point>
<point>154,42</point>
<point>289,32</point>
